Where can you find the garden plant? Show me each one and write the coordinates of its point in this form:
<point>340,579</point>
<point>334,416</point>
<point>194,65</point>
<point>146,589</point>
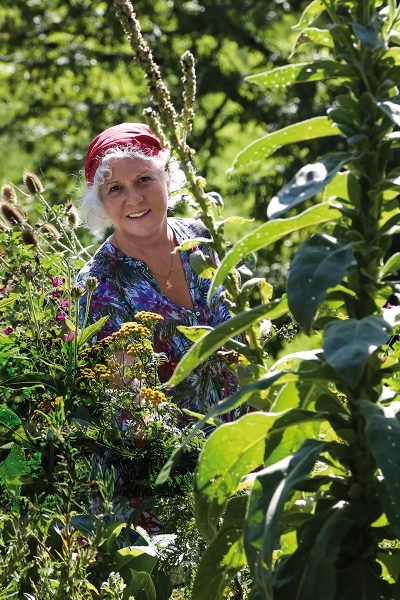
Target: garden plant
<point>299,497</point>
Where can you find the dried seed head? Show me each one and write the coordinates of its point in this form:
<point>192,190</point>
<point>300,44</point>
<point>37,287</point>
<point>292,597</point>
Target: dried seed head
<point>11,214</point>
<point>91,283</point>
<point>33,183</point>
<point>73,216</point>
<point>8,193</point>
<point>29,238</point>
<point>77,291</point>
<point>49,229</point>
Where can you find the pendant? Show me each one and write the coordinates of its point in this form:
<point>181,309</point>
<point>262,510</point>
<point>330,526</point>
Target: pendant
<point>168,283</point>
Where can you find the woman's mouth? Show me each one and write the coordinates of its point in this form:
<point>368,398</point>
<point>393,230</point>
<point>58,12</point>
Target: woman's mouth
<point>138,215</point>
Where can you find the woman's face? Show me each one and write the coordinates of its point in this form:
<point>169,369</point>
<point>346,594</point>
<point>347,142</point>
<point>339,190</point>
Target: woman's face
<point>135,197</point>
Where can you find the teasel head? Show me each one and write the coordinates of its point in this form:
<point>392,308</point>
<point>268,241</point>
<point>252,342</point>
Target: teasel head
<point>33,183</point>
<point>12,214</point>
<point>50,230</point>
<point>72,215</point>
<point>8,194</point>
<point>29,238</point>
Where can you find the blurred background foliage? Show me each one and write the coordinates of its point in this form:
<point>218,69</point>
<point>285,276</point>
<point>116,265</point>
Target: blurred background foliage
<point>66,73</point>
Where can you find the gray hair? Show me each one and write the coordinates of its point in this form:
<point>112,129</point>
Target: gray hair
<point>91,206</point>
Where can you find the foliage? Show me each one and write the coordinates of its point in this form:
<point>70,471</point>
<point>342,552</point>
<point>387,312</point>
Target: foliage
<point>64,530</point>
<point>307,487</point>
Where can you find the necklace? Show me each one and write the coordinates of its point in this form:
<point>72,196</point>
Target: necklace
<point>167,277</point>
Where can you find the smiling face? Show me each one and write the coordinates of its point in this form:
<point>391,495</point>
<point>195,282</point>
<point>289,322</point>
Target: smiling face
<point>135,198</point>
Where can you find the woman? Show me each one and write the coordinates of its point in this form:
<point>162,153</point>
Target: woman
<point>128,179</point>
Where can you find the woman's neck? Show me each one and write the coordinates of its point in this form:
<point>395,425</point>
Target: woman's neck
<point>145,249</point>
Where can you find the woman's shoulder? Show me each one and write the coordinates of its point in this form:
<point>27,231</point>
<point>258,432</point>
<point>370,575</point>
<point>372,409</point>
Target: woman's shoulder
<point>102,263</point>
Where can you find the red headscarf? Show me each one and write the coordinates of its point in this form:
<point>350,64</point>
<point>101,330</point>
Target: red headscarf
<point>125,134</point>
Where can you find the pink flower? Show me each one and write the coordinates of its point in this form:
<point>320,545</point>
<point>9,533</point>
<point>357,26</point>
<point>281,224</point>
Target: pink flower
<point>8,330</point>
<point>56,293</point>
<point>64,303</point>
<point>68,337</point>
<point>57,281</point>
<point>61,316</point>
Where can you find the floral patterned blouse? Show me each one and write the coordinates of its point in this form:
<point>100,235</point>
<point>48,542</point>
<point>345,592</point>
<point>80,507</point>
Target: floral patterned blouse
<point>127,286</point>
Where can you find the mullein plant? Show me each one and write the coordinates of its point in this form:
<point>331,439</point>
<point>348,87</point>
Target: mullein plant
<point>305,491</point>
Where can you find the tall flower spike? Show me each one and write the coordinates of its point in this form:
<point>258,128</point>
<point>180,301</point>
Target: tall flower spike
<point>155,126</point>
<point>189,90</point>
<point>49,229</point>
<point>29,238</point>
<point>144,57</point>
<point>33,183</point>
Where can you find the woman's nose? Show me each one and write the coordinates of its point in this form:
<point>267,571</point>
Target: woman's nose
<point>133,196</point>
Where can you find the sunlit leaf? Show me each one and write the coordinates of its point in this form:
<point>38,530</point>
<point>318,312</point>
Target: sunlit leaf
<point>349,344</point>
<point>298,132</point>
<point>391,109</point>
<point>207,345</point>
<point>320,264</point>
<point>269,233</point>
<point>232,451</point>
<point>91,330</point>
<point>318,70</point>
<point>306,183</point>
<point>310,13</point>
<point>314,35</point>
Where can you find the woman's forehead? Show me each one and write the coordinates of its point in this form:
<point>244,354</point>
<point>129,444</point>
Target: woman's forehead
<point>128,166</point>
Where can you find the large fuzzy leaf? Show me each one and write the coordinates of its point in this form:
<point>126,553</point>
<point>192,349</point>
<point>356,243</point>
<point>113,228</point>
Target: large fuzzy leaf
<point>224,556</point>
<point>232,451</point>
<point>269,233</point>
<point>320,264</point>
<point>383,435</point>
<point>306,183</point>
<point>310,129</point>
<point>349,344</point>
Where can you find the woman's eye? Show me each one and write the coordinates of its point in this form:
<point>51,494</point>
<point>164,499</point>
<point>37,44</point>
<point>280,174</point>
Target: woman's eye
<point>113,189</point>
<point>144,178</point>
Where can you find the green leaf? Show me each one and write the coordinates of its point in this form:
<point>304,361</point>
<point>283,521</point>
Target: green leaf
<point>194,333</point>
<point>320,264</point>
<point>314,35</point>
<point>224,556</point>
<point>368,36</point>
<point>8,419</point>
<point>11,298</point>
<point>318,70</point>
<point>269,233</point>
<point>391,109</point>
<point>191,243</point>
<point>208,344</point>
<point>140,586</point>
<point>222,407</point>
<point>140,558</point>
<point>348,345</point>
<point>299,132</point>
<point>270,492</point>
<point>306,183</point>
<point>201,265</point>
<point>337,187</point>
<point>392,265</point>
<point>69,324</point>
<point>91,330</point>
<point>231,451</point>
<point>84,523</point>
<point>310,13</point>
<point>14,467</point>
<point>383,435</point>
<point>234,220</point>
<point>320,574</point>
<point>5,450</point>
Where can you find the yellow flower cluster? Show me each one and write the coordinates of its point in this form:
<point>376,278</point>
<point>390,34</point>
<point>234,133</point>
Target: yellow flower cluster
<point>97,347</point>
<point>134,349</point>
<point>96,372</point>
<point>112,364</point>
<point>131,328</point>
<point>148,318</point>
<point>136,370</point>
<point>153,397</point>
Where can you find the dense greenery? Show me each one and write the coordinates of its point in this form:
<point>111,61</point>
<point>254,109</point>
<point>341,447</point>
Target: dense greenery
<point>298,498</point>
